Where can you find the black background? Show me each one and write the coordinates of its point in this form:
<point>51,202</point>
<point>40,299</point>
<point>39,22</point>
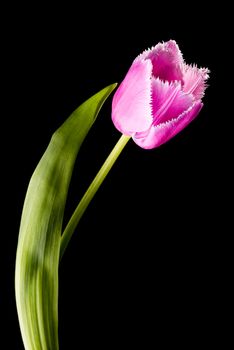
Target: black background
<point>141,265</point>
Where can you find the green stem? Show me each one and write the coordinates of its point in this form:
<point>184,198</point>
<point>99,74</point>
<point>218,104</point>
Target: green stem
<point>89,194</point>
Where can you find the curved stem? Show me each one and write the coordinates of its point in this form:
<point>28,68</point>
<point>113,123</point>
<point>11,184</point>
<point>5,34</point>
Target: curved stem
<point>89,194</point>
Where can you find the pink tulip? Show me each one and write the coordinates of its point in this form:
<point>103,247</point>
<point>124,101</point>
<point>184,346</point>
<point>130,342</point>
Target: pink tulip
<point>159,96</point>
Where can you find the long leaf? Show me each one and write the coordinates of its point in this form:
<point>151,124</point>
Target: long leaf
<point>37,260</point>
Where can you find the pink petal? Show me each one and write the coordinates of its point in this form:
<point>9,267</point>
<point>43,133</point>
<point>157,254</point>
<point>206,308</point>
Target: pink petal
<point>195,80</point>
<point>161,133</point>
<point>168,100</point>
<point>166,59</point>
<point>131,105</point>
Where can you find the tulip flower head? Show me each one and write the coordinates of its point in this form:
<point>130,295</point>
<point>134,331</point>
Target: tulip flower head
<point>159,96</point>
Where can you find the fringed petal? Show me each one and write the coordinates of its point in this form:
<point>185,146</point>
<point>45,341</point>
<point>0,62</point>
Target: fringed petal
<point>195,80</point>
<point>159,134</point>
<point>131,106</point>
<point>168,101</point>
<point>166,59</point>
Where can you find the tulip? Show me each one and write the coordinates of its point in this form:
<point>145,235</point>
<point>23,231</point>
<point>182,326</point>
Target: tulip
<point>159,96</point>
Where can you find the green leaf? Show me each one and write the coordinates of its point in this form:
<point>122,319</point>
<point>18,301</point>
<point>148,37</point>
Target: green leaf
<point>37,259</point>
